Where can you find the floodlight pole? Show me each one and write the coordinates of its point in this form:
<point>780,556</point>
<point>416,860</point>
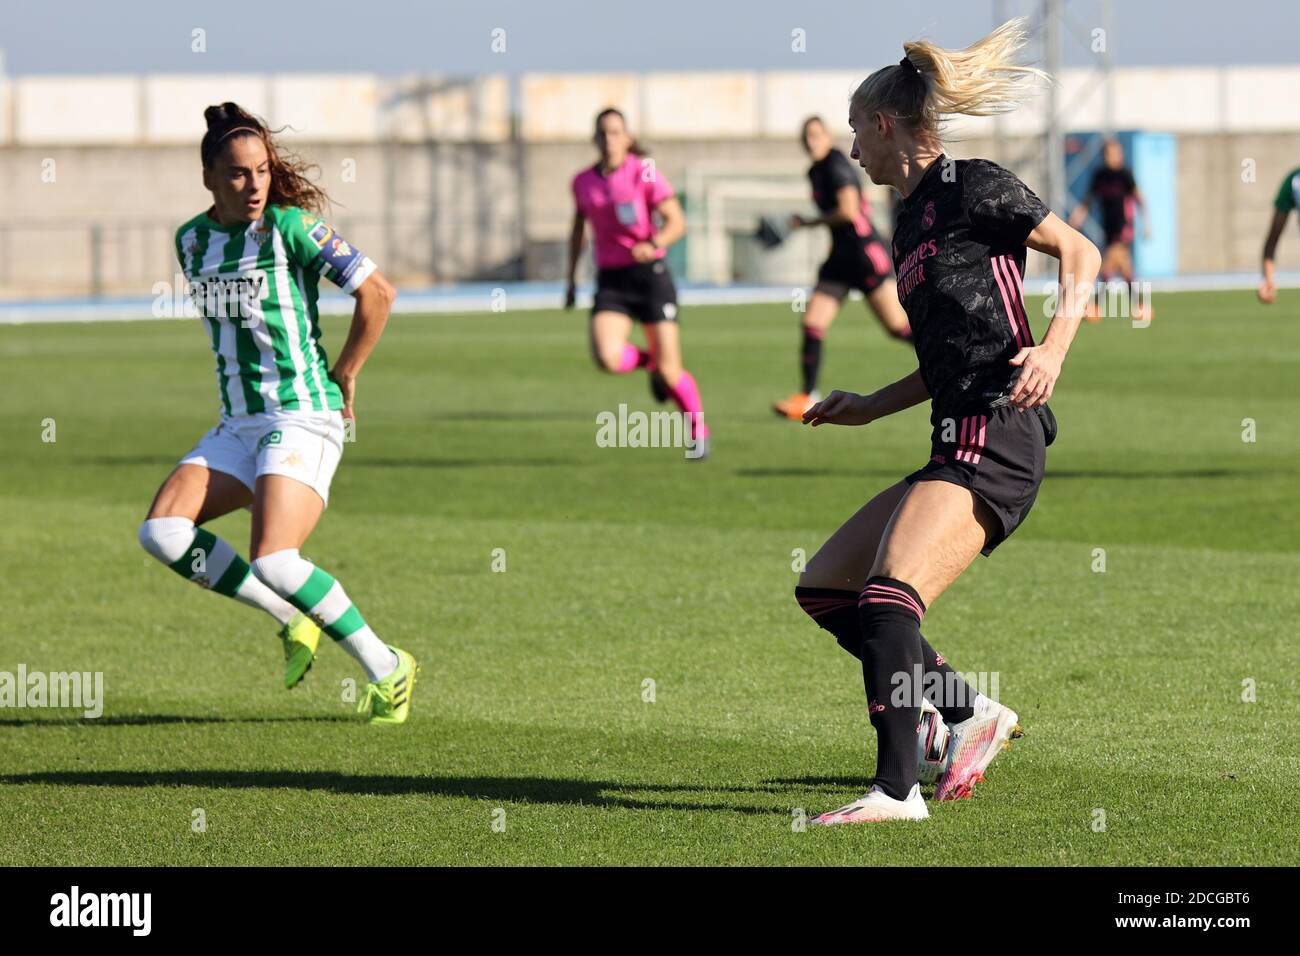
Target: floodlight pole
<point>1107,66</point>
<point>1001,14</point>
<point>1053,134</point>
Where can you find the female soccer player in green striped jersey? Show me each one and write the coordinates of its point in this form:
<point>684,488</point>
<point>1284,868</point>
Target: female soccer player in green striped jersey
<point>253,262</point>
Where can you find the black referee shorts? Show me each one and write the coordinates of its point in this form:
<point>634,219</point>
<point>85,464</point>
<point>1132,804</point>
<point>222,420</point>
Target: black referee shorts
<point>643,291</point>
<point>998,454</point>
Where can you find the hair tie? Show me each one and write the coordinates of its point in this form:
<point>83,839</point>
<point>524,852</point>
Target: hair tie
<point>906,63</point>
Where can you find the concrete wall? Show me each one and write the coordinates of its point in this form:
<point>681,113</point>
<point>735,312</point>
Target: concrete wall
<point>323,108</point>
<point>425,212</point>
<point>448,211</point>
<point>1226,188</point>
<point>430,179</point>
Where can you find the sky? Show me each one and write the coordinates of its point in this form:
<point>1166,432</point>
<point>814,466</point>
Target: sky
<point>456,36</point>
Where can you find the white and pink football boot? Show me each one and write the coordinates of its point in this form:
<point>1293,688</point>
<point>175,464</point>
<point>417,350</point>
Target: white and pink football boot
<point>973,745</point>
<point>876,807</point>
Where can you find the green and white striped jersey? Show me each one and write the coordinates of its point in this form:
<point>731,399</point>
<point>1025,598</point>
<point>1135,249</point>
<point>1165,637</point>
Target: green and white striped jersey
<point>256,286</point>
<point>1288,194</point>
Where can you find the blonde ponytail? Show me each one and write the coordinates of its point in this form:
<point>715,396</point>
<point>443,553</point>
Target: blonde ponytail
<point>931,82</point>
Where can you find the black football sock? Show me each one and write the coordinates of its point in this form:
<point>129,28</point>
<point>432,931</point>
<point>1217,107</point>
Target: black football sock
<point>810,358</point>
<point>945,688</point>
<point>837,612</point>
<point>891,612</point>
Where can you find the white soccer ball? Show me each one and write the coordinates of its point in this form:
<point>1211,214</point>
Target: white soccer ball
<point>932,737</point>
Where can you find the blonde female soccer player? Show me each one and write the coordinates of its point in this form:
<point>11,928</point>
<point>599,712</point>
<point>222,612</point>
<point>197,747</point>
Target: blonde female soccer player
<point>253,260</point>
<point>959,256</point>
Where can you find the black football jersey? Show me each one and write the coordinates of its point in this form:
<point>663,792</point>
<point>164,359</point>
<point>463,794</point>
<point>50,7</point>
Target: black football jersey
<point>959,255</point>
<point>1114,189</point>
<point>828,176</point>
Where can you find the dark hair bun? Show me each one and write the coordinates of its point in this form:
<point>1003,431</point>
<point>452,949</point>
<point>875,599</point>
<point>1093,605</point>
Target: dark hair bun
<point>227,114</point>
<point>221,121</point>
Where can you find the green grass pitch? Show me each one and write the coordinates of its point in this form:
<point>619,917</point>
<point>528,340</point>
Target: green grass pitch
<point>529,740</point>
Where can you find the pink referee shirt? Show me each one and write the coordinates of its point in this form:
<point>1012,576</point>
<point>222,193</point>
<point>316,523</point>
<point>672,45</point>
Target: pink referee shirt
<point>619,205</point>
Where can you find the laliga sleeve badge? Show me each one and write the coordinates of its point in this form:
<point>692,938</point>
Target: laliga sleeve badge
<point>320,233</point>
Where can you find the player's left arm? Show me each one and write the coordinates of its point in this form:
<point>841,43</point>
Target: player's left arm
<point>1142,208</point>
<point>672,227</point>
<point>1040,366</point>
<point>1267,291</point>
<point>374,302</point>
<point>674,222</point>
<point>315,245</point>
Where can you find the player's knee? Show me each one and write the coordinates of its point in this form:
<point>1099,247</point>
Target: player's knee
<point>885,601</point>
<point>821,572</point>
<point>607,359</point>
<point>167,539</point>
<point>809,598</point>
<point>808,578</point>
<point>801,595</point>
<point>670,371</point>
<point>282,571</point>
<point>818,323</point>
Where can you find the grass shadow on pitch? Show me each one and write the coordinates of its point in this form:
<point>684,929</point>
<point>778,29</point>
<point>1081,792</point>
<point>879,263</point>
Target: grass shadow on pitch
<point>543,790</point>
<point>489,415</point>
<point>822,783</point>
<point>131,461</point>
<point>1099,474</point>
<point>818,472</point>
<point>439,463</point>
<point>128,460</point>
<point>1170,473</point>
<point>149,720</point>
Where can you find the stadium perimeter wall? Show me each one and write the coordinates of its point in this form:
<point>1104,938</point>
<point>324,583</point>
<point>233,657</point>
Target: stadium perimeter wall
<point>446,179</point>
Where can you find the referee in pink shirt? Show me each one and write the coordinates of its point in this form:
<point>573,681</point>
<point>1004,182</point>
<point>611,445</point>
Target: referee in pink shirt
<point>622,196</point>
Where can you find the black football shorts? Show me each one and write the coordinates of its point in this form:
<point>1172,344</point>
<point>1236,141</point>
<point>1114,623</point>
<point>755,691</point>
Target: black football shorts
<point>644,291</point>
<point>862,266</point>
<point>999,454</point>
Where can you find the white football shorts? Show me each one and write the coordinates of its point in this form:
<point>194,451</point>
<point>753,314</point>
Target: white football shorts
<point>303,445</point>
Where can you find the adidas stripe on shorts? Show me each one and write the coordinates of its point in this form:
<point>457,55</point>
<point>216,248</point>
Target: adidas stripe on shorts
<point>999,454</point>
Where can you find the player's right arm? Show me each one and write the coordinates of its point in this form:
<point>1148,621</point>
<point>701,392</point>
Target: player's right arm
<point>1081,211</point>
<point>848,408</point>
<point>848,200</point>
<point>576,238</point>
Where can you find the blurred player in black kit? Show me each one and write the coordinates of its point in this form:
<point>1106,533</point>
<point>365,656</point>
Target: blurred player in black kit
<point>858,259</point>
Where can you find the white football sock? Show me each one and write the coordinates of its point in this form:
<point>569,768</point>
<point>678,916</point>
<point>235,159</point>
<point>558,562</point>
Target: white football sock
<point>200,556</point>
<point>318,595</point>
